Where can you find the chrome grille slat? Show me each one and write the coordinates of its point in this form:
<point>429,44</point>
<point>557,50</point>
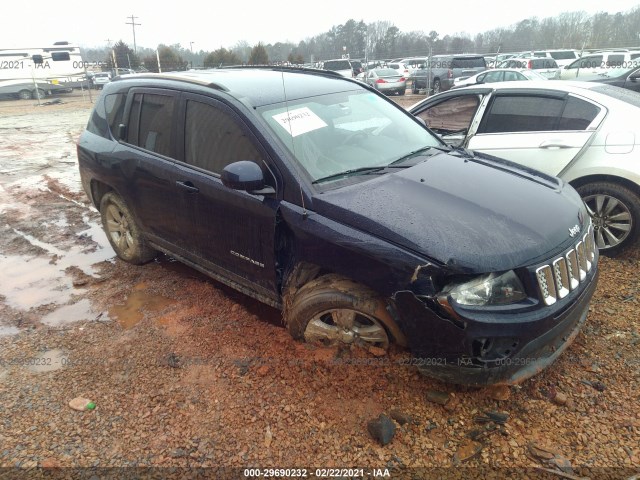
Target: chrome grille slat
<point>565,273</point>
<point>561,277</point>
<point>572,267</point>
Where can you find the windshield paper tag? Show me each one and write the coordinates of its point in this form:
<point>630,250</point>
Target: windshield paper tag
<point>299,121</point>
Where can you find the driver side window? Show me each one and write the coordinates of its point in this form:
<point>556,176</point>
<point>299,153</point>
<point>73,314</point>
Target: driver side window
<point>213,139</point>
<point>451,116</point>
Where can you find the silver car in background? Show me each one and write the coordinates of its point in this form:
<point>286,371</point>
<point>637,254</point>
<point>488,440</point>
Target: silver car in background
<point>387,80</point>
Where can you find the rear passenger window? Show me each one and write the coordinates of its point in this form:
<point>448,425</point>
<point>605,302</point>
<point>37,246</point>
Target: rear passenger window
<point>522,114</point>
<point>153,130</point>
<point>213,139</point>
<point>577,114</point>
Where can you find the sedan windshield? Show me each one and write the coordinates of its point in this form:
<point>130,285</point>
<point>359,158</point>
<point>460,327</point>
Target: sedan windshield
<point>345,132</point>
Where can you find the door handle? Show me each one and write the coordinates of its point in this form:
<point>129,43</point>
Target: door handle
<point>553,144</point>
<point>188,186</point>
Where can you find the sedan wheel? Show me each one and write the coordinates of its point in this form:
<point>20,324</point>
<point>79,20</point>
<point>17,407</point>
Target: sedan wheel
<point>615,212</point>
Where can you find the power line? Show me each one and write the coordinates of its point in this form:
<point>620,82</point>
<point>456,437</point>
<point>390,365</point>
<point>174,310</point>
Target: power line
<point>133,26</point>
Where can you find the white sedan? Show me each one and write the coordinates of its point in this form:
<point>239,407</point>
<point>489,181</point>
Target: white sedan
<point>586,133</point>
<point>498,75</point>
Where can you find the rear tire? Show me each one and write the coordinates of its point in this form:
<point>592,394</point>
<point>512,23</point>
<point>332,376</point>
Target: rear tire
<point>24,95</point>
<point>615,212</point>
<point>122,231</point>
<point>436,86</point>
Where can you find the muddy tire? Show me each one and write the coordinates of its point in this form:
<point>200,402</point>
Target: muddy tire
<point>615,212</point>
<point>123,232</point>
<point>332,310</point>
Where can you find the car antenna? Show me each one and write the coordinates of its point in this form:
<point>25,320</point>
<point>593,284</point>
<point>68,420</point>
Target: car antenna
<point>293,143</point>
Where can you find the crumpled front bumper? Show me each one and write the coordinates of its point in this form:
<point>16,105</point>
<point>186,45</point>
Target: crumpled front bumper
<point>448,351</point>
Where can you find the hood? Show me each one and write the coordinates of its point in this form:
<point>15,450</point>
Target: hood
<point>479,214</point>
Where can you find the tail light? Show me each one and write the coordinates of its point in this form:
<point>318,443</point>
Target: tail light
<point>450,74</point>
<point>402,79</point>
<point>381,80</point>
<point>529,64</point>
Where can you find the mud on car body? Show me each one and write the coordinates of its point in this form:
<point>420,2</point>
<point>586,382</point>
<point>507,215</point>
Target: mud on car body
<point>317,195</point>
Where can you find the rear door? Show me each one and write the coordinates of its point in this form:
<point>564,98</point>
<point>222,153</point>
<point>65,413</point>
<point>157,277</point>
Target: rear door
<point>146,158</point>
<point>541,129</point>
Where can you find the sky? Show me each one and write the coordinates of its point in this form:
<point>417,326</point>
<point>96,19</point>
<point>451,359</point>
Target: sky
<point>211,25</point>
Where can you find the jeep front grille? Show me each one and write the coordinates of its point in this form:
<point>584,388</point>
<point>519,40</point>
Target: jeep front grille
<point>565,273</point>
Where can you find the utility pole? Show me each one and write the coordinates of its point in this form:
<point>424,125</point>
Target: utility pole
<point>133,26</point>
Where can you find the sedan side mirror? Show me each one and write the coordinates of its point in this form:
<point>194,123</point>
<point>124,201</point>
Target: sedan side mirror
<point>245,175</point>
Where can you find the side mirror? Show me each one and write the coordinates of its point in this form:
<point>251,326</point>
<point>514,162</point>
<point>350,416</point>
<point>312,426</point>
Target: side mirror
<point>245,175</point>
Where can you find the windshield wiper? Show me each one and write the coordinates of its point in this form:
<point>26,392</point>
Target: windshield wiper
<point>420,152</point>
<point>346,173</point>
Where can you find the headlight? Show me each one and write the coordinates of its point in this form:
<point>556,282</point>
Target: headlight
<point>491,289</point>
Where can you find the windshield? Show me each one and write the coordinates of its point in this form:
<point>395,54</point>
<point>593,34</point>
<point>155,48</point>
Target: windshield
<point>339,132</point>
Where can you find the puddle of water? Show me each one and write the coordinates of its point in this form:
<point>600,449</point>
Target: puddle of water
<point>140,301</point>
<point>8,331</point>
<point>76,312</point>
<point>48,361</point>
<point>30,282</point>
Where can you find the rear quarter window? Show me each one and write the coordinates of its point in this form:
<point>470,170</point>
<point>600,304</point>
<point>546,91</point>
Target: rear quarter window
<point>114,108</point>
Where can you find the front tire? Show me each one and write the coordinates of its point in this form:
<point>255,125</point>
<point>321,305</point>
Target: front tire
<point>615,212</point>
<point>122,231</point>
<point>333,310</point>
<point>24,95</point>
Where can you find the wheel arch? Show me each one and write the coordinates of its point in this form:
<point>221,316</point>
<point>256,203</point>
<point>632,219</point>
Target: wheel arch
<point>580,182</point>
<point>98,190</point>
<point>346,254</point>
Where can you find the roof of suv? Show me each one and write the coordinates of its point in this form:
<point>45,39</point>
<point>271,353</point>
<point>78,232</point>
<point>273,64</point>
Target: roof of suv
<point>256,85</point>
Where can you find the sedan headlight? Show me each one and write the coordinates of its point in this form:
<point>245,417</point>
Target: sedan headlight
<point>491,289</point>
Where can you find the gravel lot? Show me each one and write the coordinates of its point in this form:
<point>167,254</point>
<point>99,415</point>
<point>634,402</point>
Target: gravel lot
<point>187,373</point>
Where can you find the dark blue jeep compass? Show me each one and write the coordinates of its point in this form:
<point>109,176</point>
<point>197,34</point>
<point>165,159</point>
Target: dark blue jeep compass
<point>317,195</point>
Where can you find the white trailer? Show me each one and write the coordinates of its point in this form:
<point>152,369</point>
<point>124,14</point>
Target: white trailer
<point>59,63</point>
